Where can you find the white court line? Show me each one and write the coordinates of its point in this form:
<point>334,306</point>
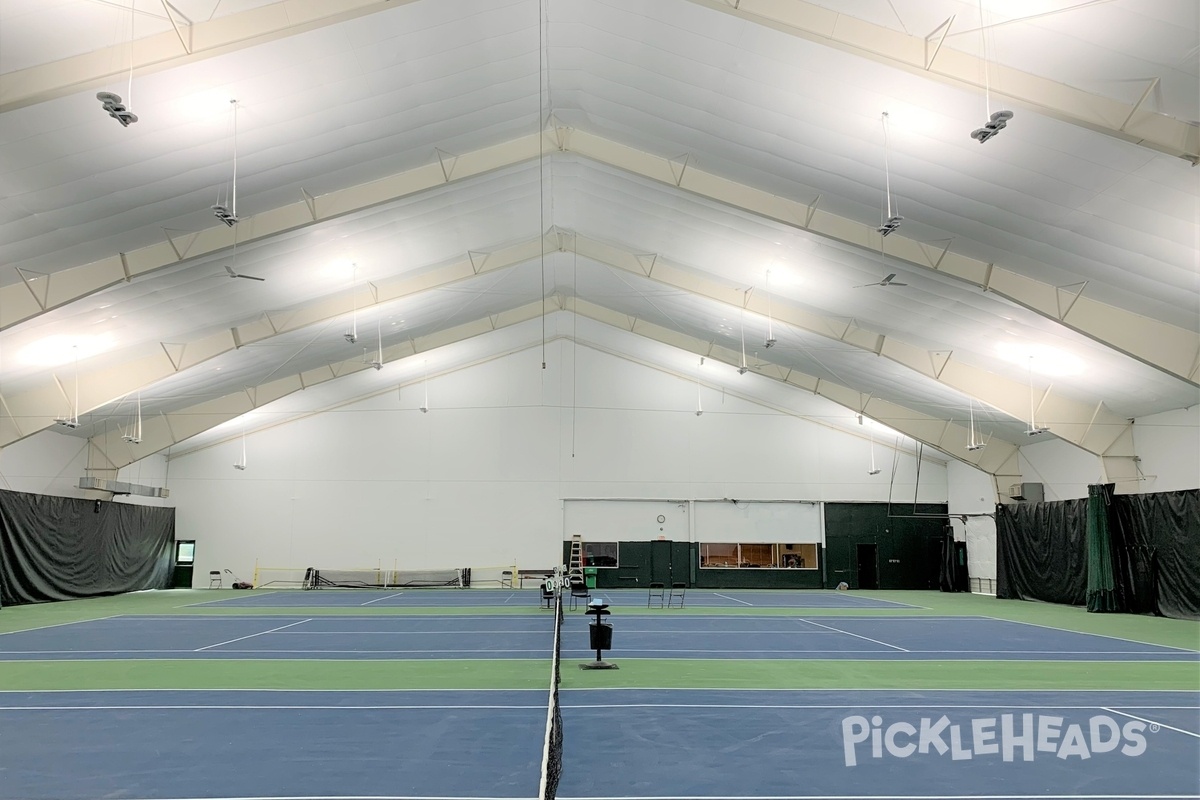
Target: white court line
<point>379,599</point>
<point>60,624</point>
<point>227,599</point>
<point>841,707</point>
<point>1152,722</point>
<point>848,633</point>
<point>1085,633</point>
<point>826,797</point>
<point>721,797</point>
<point>251,636</point>
<point>540,707</point>
<point>734,599</point>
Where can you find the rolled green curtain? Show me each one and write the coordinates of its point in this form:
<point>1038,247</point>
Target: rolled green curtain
<point>1101,587</point>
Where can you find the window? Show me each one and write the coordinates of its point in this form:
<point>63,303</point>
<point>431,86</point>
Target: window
<point>600,554</point>
<point>758,556</point>
<point>185,552</point>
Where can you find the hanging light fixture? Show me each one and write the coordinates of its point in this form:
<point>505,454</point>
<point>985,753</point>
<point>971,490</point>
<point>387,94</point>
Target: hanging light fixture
<point>72,419</point>
<point>425,383</point>
<point>117,108</point>
<point>351,335</point>
<point>770,342</point>
<point>134,434</point>
<point>743,369</point>
<point>889,219</point>
<point>874,470</point>
<point>1034,428</point>
<point>242,464</point>
<point>973,443</point>
<point>377,363</point>
<point>225,209</point>
<point>997,120</point>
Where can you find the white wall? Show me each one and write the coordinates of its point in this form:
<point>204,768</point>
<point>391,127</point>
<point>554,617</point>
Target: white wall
<point>480,480</point>
<point>1169,446</point>
<point>972,494</point>
<point>1063,469</point>
<point>45,463</point>
<point>52,463</point>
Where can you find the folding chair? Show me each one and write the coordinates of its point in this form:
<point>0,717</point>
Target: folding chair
<point>214,579</point>
<point>677,592</point>
<point>657,592</point>
<point>579,590</point>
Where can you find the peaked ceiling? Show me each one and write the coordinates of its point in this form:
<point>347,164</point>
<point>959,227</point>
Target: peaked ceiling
<point>686,174</point>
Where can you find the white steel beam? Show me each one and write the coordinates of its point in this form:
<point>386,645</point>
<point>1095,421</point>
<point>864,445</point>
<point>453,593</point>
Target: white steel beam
<point>1168,348</point>
<point>35,406</point>
<point>1090,426</point>
<point>911,54</point>
<point>193,42</point>
<point>1171,349</point>
<point>111,452</point>
<point>18,304</point>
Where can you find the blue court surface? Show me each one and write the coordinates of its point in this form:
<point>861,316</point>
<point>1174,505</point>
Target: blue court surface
<point>532,636</point>
<point>617,598</point>
<point>619,744</point>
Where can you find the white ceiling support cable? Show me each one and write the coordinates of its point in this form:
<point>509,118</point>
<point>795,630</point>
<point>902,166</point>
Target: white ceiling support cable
<point>699,407</point>
<point>543,104</point>
<point>425,385</point>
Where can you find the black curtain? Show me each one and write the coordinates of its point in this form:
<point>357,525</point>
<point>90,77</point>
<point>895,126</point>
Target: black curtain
<point>1156,552</point>
<point>953,576</point>
<point>62,548</point>
<point>1041,551</point>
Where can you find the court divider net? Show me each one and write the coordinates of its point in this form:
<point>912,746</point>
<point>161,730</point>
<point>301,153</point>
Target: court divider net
<point>552,753</point>
<point>315,578</point>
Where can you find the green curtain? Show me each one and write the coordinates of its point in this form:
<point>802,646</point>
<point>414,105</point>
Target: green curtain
<point>1101,588</point>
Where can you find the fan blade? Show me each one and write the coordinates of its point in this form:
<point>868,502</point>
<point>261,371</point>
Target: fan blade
<point>897,284</point>
<point>250,277</point>
<point>888,279</point>
<point>232,274</point>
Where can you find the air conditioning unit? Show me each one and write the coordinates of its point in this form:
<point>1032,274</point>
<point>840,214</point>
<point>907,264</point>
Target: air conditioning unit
<point>1027,492</point>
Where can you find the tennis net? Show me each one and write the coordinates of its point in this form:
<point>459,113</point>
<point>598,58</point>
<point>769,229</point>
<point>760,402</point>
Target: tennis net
<point>552,754</point>
<point>315,578</point>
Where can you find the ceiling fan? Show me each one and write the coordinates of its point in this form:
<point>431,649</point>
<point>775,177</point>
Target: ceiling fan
<point>890,280</point>
<point>233,274</point>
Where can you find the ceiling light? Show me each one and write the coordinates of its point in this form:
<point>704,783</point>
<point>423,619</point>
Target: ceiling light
<point>116,109</point>
<point>55,350</point>
<point>1042,359</point>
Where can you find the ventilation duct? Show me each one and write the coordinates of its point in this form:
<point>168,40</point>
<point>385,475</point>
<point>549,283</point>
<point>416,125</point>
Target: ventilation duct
<point>121,487</point>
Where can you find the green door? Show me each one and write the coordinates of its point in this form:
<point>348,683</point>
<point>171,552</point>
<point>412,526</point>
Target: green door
<point>681,563</point>
<point>660,563</point>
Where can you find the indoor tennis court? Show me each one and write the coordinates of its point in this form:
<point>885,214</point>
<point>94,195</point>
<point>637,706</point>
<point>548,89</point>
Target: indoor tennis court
<point>599,399</point>
<point>181,695</point>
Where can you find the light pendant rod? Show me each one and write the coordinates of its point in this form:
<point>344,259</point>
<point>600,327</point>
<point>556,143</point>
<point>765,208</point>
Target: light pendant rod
<point>425,384</point>
<point>233,200</point>
<point>699,407</point>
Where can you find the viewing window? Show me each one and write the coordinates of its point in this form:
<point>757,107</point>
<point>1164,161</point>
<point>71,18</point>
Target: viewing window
<point>758,556</point>
<point>600,554</point>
